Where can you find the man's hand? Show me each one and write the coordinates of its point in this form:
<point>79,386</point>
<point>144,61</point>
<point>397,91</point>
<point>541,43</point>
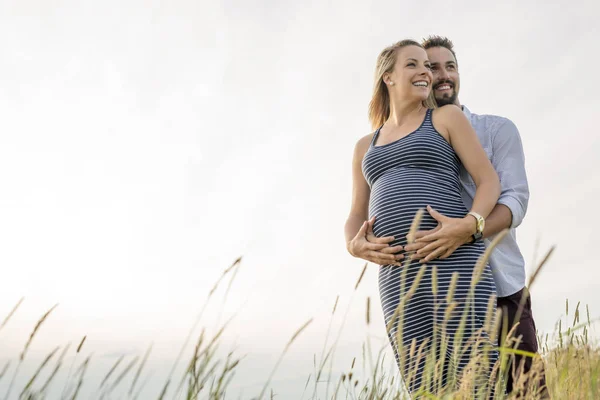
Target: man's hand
<point>371,248</point>
<point>412,248</point>
<point>442,241</point>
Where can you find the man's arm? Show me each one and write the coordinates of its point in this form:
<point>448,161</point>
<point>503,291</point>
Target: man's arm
<point>509,161</point>
<point>499,219</point>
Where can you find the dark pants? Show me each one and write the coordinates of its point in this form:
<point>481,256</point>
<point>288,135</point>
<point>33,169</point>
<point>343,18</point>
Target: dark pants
<point>514,306</point>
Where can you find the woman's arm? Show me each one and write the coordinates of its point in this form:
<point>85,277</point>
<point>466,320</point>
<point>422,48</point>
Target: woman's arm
<point>360,192</point>
<point>360,241</point>
<point>463,139</point>
<point>451,233</point>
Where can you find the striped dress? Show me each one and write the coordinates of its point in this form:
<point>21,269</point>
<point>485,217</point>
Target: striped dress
<point>406,175</point>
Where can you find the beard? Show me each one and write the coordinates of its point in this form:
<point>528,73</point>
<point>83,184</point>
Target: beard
<point>446,98</point>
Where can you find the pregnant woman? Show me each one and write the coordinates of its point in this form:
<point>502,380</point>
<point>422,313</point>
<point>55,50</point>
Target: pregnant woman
<point>411,162</point>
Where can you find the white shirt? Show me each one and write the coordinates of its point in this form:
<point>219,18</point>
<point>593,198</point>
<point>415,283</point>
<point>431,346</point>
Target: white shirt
<point>502,143</point>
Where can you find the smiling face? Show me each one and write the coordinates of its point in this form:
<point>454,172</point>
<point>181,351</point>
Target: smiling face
<point>446,79</point>
<point>411,76</point>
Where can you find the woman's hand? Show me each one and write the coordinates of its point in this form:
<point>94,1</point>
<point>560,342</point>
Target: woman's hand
<point>450,234</point>
<point>369,247</point>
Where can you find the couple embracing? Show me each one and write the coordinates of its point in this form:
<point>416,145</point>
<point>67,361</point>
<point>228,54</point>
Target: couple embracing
<point>466,171</point>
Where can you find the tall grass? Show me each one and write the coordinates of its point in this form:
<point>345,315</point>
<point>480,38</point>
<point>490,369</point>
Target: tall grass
<point>571,360</point>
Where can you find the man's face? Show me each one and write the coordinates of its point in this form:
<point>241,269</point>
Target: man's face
<point>446,79</point>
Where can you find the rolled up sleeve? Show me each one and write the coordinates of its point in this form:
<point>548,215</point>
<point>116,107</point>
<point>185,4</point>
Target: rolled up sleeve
<point>508,159</point>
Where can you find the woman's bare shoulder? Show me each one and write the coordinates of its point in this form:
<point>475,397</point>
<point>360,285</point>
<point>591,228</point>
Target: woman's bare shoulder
<point>447,118</point>
<point>362,145</point>
<point>448,111</point>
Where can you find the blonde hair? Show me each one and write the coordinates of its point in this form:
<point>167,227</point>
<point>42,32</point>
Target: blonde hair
<point>379,106</point>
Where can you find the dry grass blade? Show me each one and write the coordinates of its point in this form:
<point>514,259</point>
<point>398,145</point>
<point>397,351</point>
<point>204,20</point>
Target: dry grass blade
<point>110,372</point>
<point>191,368</point>
<point>452,288</point>
<point>361,276</point>
<point>414,227</point>
<point>83,368</point>
<point>71,367</point>
<point>164,391</point>
<point>236,263</point>
<point>56,368</point>
<point>510,335</point>
<point>324,356</point>
<point>576,317</point>
<point>35,329</point>
<point>5,369</point>
<point>400,308</point>
<point>35,375</point>
<point>24,352</point>
<point>227,270</point>
<point>449,310</point>
<point>489,315</point>
<point>218,334</point>
<point>142,386</point>
<point>587,311</point>
<point>531,280</point>
<point>207,353</point>
<point>434,281</point>
<point>298,332</point>
<point>195,325</point>
<point>539,267</point>
<point>81,344</point>
<point>10,314</point>
<point>577,327</point>
<point>397,312</point>
<point>416,282</point>
<point>482,262</point>
<point>139,370</point>
<point>306,386</point>
<point>335,305</point>
<point>497,320</point>
<point>124,373</point>
<point>518,352</point>
<point>368,310</point>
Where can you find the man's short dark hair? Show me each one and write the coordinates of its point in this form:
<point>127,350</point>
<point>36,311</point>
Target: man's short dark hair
<point>439,41</point>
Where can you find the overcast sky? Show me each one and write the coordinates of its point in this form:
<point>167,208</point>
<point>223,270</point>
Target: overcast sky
<point>145,145</point>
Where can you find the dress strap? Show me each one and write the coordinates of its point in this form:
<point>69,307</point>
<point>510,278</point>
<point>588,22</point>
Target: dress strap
<point>375,135</point>
<point>428,116</point>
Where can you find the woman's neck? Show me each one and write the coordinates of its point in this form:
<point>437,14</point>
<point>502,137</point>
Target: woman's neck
<point>401,111</point>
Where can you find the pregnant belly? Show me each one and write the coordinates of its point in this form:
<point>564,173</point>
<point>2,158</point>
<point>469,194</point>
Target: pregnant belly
<point>396,198</point>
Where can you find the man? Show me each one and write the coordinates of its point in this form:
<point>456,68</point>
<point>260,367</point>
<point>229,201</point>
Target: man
<point>502,143</point>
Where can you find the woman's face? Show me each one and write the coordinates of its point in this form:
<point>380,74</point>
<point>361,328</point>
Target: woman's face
<point>411,77</point>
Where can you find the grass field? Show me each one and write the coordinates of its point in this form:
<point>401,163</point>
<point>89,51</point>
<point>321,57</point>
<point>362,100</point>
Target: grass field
<point>570,357</point>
